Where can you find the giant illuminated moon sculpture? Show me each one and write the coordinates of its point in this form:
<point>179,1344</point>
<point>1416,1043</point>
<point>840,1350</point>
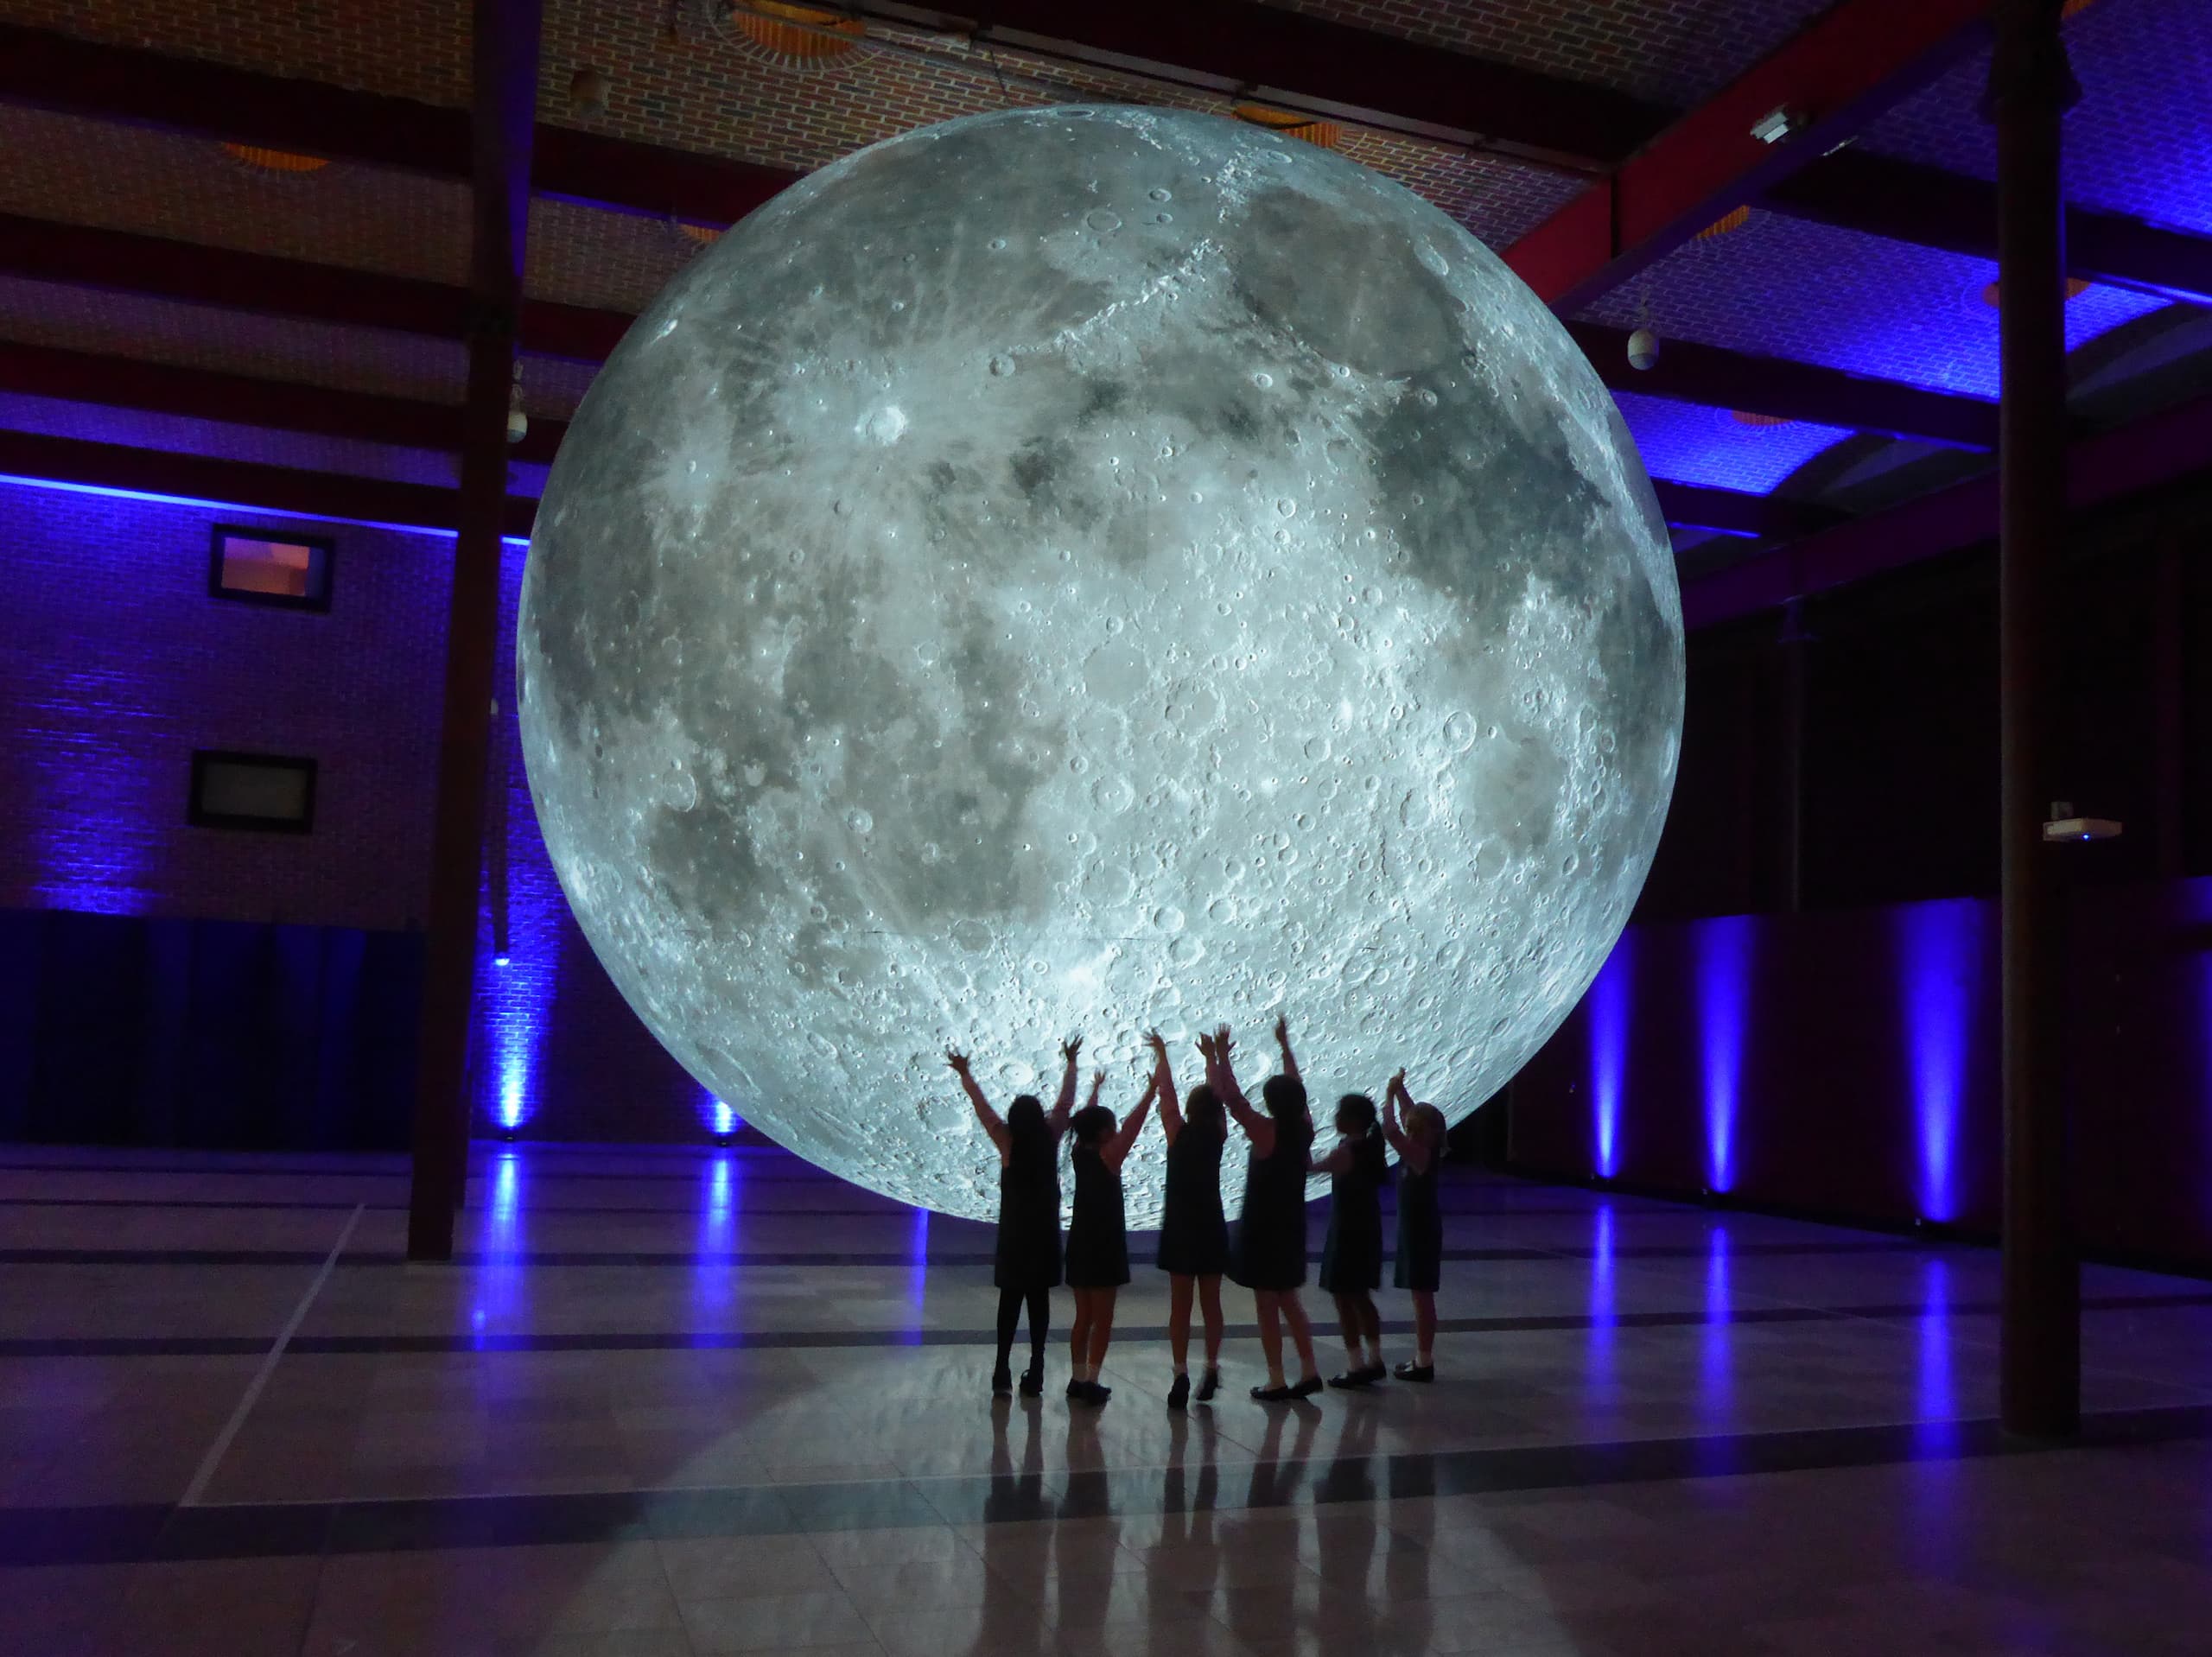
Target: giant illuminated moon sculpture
<point>1078,569</point>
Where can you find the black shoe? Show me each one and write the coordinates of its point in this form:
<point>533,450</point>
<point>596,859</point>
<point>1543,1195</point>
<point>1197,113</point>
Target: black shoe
<point>1178,1395</point>
<point>1375,1372</point>
<point>1088,1391</point>
<point>1307,1388</point>
<point>1411,1371</point>
<point>1075,1387</point>
<point>1351,1380</point>
<point>1209,1385</point>
<point>1033,1381</point>
<point>1274,1394</point>
<point>1002,1380</point>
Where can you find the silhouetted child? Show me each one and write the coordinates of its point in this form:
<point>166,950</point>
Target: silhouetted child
<point>1026,1260</point>
<point>1194,1234</point>
<point>1269,1256</point>
<point>1098,1236</point>
<point>1352,1259</point>
<point>1419,1141</point>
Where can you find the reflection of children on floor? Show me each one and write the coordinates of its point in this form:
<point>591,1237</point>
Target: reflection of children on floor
<point>1025,1261</point>
<point>1098,1234</point>
<point>1193,1234</point>
<point>1352,1259</point>
<point>1418,1139</point>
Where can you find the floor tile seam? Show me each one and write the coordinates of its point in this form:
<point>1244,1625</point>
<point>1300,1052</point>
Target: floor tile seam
<point>205,1471</point>
<point>1695,1458</point>
<point>391,1344</point>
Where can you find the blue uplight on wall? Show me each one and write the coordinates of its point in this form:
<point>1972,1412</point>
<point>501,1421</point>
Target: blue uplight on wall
<point>515,987</point>
<point>1723,991</point>
<point>1609,995</point>
<point>719,1118</point>
<point>1940,949</point>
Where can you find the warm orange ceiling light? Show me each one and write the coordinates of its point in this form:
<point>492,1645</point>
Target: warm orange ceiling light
<point>803,34</point>
<point>2074,8</point>
<point>1725,223</point>
<point>1326,134</point>
<point>1745,417</point>
<point>705,235</point>
<point>274,160</point>
<point>2076,287</point>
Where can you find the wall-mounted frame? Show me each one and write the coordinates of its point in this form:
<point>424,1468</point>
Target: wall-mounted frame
<point>271,567</point>
<point>268,791</point>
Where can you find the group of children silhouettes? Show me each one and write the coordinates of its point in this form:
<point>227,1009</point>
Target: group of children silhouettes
<point>1268,1253</point>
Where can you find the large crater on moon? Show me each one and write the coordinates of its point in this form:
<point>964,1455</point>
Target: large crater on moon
<point>1084,568</point>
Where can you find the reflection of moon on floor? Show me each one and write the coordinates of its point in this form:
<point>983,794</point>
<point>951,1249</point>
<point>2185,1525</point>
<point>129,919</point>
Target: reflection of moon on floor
<point>1080,569</point>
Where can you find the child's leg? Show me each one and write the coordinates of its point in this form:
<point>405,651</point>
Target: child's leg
<point>1179,1320</point>
<point>1348,1320</point>
<point>1009,1309</point>
<point>1210,1305</point>
<point>1269,1305</point>
<point>1102,1327</point>
<point>1040,1318</point>
<point>1370,1329</point>
<point>1302,1332</point>
<point>1080,1334</point>
<point>1424,1325</point>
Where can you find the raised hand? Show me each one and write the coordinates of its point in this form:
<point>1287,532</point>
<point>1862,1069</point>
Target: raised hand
<point>1158,1043</point>
<point>957,1060</point>
<point>1282,1029</point>
<point>1071,1047</point>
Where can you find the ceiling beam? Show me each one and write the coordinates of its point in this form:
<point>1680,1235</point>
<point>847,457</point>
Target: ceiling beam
<point>1736,512</point>
<point>2124,461</point>
<point>246,400</point>
<point>244,484</point>
<point>1841,72</point>
<point>59,72</point>
<point>1790,391</point>
<point>121,262</point>
<point>1272,54</point>
<point>1907,202</point>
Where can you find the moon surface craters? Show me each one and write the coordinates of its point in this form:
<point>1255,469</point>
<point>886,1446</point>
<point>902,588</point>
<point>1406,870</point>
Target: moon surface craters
<point>1084,569</point>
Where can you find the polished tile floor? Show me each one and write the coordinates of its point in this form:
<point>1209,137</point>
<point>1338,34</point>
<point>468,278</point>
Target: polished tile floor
<point>676,1402</point>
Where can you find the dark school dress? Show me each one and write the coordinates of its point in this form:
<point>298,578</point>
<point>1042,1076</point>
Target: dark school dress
<point>1028,1251</point>
<point>1193,1235</point>
<point>1352,1259</point>
<point>1421,1230</point>
<point>1098,1233</point>
<point>1270,1252</point>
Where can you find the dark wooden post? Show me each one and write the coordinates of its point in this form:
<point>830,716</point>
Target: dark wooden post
<point>505,80</point>
<point>2169,701</point>
<point>2029,87</point>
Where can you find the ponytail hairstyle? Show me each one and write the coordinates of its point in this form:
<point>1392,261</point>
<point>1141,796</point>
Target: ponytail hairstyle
<point>1202,1110</point>
<point>1355,1115</point>
<point>1090,1125</point>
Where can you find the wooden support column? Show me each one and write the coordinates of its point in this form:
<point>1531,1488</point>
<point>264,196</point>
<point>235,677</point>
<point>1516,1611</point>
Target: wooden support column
<point>2169,701</point>
<point>2029,87</point>
<point>505,83</point>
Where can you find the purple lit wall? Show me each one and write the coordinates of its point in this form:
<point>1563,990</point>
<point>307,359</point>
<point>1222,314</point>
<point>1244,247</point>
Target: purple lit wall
<point>1723,948</point>
<point>1846,1062</point>
<point>116,664</point>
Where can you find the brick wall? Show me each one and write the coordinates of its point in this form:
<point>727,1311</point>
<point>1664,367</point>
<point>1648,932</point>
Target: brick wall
<point>115,664</point>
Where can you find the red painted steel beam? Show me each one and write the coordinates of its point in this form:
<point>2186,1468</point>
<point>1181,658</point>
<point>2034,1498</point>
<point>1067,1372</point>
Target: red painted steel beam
<point>122,262</point>
<point>57,70</point>
<point>2108,466</point>
<point>1790,391</point>
<point>247,400</point>
<point>1263,49</point>
<point>1841,72</point>
<point>1906,202</point>
<point>241,483</point>
<point>1736,512</point>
